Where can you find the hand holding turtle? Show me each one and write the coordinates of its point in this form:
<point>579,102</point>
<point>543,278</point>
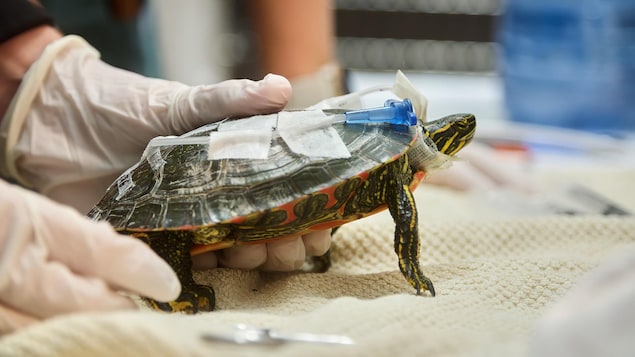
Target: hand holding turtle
<point>477,171</point>
<point>74,124</point>
<point>279,255</point>
<point>55,261</point>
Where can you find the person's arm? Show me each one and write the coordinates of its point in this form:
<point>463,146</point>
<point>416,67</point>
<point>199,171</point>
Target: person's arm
<point>16,56</point>
<point>18,16</point>
<point>297,40</point>
<point>25,29</point>
<point>295,37</point>
<point>74,124</point>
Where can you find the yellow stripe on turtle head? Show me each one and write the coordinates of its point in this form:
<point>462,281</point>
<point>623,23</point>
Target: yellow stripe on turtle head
<point>451,133</point>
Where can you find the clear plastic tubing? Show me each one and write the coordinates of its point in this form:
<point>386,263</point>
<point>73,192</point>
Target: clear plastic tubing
<point>393,112</point>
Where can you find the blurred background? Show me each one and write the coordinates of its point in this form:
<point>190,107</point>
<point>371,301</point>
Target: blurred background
<point>447,47</point>
<point>542,50</point>
<point>550,81</point>
<point>202,41</point>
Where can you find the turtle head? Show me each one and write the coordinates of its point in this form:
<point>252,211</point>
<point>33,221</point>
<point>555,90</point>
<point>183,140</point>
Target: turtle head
<point>440,139</point>
<point>451,133</point>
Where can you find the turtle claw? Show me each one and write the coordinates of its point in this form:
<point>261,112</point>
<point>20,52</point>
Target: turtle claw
<point>427,285</point>
<point>414,276</point>
<point>195,299</point>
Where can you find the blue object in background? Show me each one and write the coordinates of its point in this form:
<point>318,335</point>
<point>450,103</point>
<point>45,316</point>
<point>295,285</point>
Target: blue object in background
<point>570,63</point>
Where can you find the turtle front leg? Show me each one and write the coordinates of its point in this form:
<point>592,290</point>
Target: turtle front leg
<point>174,247</point>
<point>402,207</point>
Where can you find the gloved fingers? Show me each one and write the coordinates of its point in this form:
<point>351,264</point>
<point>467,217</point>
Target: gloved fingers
<point>279,255</point>
<point>138,269</point>
<point>207,260</point>
<point>90,248</point>
<point>483,158</point>
<point>243,256</point>
<point>11,320</point>
<point>317,243</point>
<point>461,176</point>
<point>49,288</point>
<point>200,105</point>
<point>93,137</point>
<point>479,169</point>
<point>285,254</point>
<point>596,317</point>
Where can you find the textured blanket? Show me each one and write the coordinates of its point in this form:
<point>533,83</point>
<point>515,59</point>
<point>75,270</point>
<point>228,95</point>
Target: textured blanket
<point>495,275</point>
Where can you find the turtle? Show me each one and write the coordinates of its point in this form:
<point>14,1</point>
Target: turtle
<point>180,202</point>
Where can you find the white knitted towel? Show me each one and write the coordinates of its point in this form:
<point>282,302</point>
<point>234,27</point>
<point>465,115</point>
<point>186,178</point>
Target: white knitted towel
<point>494,277</point>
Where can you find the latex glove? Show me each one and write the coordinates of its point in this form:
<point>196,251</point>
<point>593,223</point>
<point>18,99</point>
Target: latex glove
<point>279,255</point>
<point>76,123</point>
<point>596,318</point>
<point>477,169</point>
<point>55,261</point>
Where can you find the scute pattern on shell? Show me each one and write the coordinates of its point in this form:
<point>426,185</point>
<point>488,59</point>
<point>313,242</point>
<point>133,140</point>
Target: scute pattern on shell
<point>189,190</point>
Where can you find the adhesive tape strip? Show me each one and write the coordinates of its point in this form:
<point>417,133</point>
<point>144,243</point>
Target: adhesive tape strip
<point>310,133</point>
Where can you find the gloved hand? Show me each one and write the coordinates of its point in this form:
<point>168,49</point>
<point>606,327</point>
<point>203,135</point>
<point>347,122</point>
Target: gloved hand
<point>596,317</point>
<point>478,170</point>
<point>55,261</point>
<point>76,123</point>
<point>279,255</point>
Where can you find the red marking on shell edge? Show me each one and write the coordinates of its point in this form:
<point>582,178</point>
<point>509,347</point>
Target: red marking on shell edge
<point>204,248</point>
<point>288,207</point>
<point>416,180</point>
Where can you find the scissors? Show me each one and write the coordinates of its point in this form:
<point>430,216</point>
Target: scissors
<point>243,334</point>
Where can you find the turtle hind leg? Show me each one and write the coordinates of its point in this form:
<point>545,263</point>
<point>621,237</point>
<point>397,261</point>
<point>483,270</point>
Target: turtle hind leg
<point>402,207</point>
<point>174,247</point>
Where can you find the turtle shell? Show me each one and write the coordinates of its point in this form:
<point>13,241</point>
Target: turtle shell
<point>178,188</point>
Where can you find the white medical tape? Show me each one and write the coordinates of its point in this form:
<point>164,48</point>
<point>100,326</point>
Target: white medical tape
<point>154,158</point>
<point>403,88</point>
<point>239,144</point>
<point>125,183</point>
<point>310,133</point>
<point>431,158</point>
<point>257,122</point>
<point>248,138</point>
